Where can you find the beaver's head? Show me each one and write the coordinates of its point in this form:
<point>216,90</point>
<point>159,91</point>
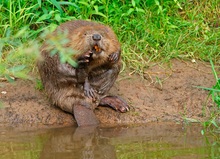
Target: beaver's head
<point>99,39</point>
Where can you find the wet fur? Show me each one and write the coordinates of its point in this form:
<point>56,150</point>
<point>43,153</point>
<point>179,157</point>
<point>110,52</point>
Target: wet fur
<point>60,80</point>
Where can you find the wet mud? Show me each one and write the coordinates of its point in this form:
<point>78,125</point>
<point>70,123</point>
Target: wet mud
<point>166,92</point>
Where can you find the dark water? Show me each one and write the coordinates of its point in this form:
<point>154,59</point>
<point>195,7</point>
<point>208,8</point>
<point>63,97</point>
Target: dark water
<point>153,141</point>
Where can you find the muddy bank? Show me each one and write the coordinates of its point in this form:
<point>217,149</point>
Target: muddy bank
<point>166,93</point>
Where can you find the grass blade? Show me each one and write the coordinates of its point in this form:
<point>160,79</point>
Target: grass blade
<point>39,2</point>
<point>54,2</point>
<point>208,89</point>
<point>213,70</point>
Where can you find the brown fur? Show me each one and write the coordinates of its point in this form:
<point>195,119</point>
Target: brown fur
<point>60,81</point>
<point>82,43</point>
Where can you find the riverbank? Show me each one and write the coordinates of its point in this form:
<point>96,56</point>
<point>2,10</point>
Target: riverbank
<point>166,93</point>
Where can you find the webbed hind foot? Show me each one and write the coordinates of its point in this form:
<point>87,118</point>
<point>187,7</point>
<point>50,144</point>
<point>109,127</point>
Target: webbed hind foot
<point>115,102</point>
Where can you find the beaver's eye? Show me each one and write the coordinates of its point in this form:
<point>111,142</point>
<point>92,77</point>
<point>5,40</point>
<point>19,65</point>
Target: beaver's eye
<point>85,33</point>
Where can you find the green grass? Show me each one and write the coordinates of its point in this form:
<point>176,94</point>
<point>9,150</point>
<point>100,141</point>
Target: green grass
<point>215,94</point>
<point>148,30</point>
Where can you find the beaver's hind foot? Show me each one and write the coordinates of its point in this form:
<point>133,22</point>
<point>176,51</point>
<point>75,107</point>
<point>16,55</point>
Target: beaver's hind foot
<point>115,102</point>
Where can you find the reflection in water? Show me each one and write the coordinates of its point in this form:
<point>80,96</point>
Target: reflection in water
<point>149,141</point>
<point>85,143</point>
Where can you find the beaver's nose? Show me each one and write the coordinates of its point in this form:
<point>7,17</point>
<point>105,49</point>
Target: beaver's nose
<point>96,37</point>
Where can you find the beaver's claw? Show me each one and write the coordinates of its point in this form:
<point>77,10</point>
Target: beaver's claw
<point>115,102</point>
<point>84,59</point>
<point>114,57</point>
<point>89,91</point>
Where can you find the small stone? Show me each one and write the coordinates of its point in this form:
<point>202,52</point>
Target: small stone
<point>3,92</point>
<point>193,61</point>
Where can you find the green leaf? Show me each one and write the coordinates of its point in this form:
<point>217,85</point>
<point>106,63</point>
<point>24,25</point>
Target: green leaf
<point>21,32</point>
<point>22,75</point>
<point>9,78</point>
<point>206,123</point>
<point>213,70</point>
<point>214,123</point>
<point>3,67</point>
<point>39,85</point>
<point>84,3</point>
<point>69,3</point>
<point>44,17</point>
<point>53,52</point>
<point>202,132</point>
<point>130,11</point>
<point>192,120</point>
<point>72,62</point>
<point>57,17</point>
<point>157,2</point>
<point>17,68</point>
<point>96,9</point>
<point>52,27</point>
<point>133,3</point>
<point>39,2</point>
<point>99,13</point>
<point>178,4</point>
<point>8,33</point>
<point>54,2</point>
<point>209,89</point>
<point>139,10</point>
<point>173,26</point>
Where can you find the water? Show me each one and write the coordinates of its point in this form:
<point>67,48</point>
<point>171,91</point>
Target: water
<point>153,141</point>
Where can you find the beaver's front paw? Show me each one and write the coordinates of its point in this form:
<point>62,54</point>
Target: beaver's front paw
<point>89,91</point>
<point>114,57</point>
<point>84,59</point>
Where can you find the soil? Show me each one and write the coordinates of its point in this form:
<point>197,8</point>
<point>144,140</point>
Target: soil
<point>166,92</point>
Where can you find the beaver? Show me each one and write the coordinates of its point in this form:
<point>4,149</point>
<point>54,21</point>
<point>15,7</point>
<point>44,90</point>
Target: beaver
<point>98,54</point>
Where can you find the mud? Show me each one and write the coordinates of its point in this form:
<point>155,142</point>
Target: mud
<point>166,93</point>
